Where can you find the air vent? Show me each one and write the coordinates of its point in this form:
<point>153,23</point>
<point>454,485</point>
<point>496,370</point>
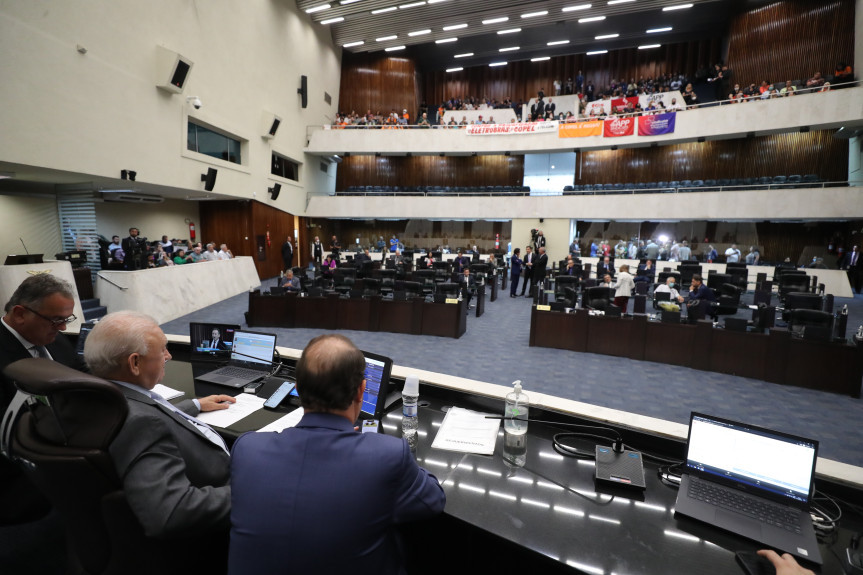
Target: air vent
<point>133,198</point>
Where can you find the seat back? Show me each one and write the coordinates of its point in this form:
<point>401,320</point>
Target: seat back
<point>598,297</point>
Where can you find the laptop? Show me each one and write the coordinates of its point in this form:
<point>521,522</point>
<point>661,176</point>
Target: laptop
<point>251,360</point>
<point>752,481</point>
<point>211,341</point>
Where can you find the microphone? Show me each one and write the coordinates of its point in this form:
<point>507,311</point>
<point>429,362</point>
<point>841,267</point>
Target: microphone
<point>25,246</point>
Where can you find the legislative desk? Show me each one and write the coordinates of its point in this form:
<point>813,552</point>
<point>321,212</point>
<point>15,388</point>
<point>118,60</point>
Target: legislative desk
<point>546,517</point>
<point>776,357</point>
<point>413,316</point>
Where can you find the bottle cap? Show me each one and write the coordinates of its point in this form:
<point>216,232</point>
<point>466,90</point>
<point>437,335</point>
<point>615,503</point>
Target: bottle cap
<point>412,385</point>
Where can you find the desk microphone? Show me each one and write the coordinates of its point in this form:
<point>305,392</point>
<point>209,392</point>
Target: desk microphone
<point>25,246</point>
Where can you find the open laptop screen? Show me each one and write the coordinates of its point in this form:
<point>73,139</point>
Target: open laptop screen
<point>377,376</point>
<point>253,347</point>
<point>769,462</point>
<point>211,339</point>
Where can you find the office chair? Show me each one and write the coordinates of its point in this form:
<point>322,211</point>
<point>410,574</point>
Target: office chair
<point>447,290</point>
<point>388,281</point>
<point>728,302</point>
<point>371,287</point>
<point>715,281</point>
<point>412,289</point>
<point>570,297</point>
<point>426,280</point>
<point>598,298</point>
<point>562,283</point>
<point>801,300</point>
<point>792,282</point>
<point>344,280</point>
<point>811,324</point>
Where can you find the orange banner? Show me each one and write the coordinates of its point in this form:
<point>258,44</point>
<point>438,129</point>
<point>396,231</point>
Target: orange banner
<point>580,129</point>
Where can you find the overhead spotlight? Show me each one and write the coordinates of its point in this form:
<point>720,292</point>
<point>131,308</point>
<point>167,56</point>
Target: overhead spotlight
<point>194,101</point>
<point>702,139</point>
<point>804,129</point>
<point>614,147</point>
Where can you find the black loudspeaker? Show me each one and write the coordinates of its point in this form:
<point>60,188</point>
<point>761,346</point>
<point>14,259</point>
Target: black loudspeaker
<point>270,125</point>
<point>274,191</point>
<point>172,70</point>
<point>209,179</point>
<point>303,90</point>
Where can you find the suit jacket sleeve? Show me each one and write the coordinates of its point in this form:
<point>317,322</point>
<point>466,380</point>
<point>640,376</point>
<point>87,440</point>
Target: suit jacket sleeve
<point>420,494</point>
<point>155,479</point>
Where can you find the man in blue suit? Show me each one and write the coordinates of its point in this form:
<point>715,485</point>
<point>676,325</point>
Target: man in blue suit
<point>321,497</point>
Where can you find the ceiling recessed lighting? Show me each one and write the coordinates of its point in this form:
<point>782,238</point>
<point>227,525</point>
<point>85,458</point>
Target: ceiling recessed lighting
<point>577,7</point>
<point>496,20</point>
<point>445,40</point>
<point>540,59</point>
<point>382,10</point>
<point>510,49</point>
<point>595,52</point>
<point>412,5</point>
<point>465,55</point>
<point>649,46</point>
<point>558,43</point>
<point>385,38</point>
<point>591,19</point>
<point>346,2</point>
<point>419,33</point>
<point>510,31</point>
<point>436,1</point>
<point>655,30</point>
<point>332,20</point>
<point>317,8</point>
<point>677,7</point>
<point>613,2</point>
<point>535,14</point>
<point>394,48</point>
<point>352,44</point>
<point>493,64</point>
<point>454,69</point>
<point>454,27</point>
<point>606,36</point>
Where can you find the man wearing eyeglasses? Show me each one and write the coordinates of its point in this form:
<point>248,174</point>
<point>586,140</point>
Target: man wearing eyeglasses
<point>35,315</point>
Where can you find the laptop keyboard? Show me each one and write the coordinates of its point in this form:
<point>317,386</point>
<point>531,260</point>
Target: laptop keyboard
<point>231,371</point>
<point>756,508</point>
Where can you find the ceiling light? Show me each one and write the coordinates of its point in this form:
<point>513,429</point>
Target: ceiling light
<point>465,55</point>
<point>655,30</point>
<point>678,7</point>
<point>454,69</point>
<point>382,10</point>
<point>419,33</point>
<point>613,2</point>
<point>577,7</point>
<point>394,48</point>
<point>595,52</point>
<point>591,19</point>
<point>352,44</point>
<point>385,38</point>
<point>510,31</point>
<point>493,64</point>
<point>412,5</point>
<point>496,20</point>
<point>332,20</point>
<point>436,1</point>
<point>445,40</point>
<point>510,49</point>
<point>558,43</point>
<point>346,2</point>
<point>454,27</point>
<point>535,14</point>
<point>317,8</point>
<point>540,59</point>
<point>606,36</point>
<point>649,46</point>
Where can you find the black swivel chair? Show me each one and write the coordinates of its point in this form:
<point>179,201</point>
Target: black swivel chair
<point>796,281</point>
<point>426,279</point>
<point>344,280</point>
<point>446,290</point>
<point>811,324</point>
<point>412,289</point>
<point>562,283</point>
<point>728,302</point>
<point>371,287</point>
<point>598,298</point>
<point>388,281</point>
<point>801,300</point>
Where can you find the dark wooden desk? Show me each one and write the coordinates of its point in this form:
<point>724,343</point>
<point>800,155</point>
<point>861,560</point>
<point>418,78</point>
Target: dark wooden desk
<point>776,357</point>
<point>332,312</point>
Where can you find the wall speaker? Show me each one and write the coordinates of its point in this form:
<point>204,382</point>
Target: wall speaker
<point>172,70</point>
<point>303,90</point>
<point>274,191</point>
<point>270,125</point>
<point>209,179</point>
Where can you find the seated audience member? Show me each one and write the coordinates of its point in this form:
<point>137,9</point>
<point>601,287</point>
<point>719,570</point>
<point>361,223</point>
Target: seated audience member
<point>327,266</point>
<point>467,283</point>
<point>788,89</point>
<point>843,73</point>
<point>335,494</point>
<point>289,282</point>
<point>604,267</point>
<point>196,255</point>
<point>606,281</point>
<point>167,245</point>
<point>181,258</point>
<point>225,253</point>
<point>825,87</point>
<point>364,257</point>
<point>424,121</point>
<point>174,468</point>
<point>114,245</point>
<point>816,81</point>
<point>646,272</point>
<point>698,291</point>
<point>764,87</point>
<point>210,254</point>
<point>161,257</point>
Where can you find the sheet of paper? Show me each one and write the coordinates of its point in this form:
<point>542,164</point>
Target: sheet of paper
<point>168,393</point>
<point>246,405</point>
<point>467,431</point>
<point>285,422</point>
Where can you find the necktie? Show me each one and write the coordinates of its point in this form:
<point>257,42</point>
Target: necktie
<point>40,351</point>
<point>205,429</point>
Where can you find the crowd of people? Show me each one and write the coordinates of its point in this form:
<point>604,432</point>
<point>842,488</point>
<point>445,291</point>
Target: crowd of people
<point>135,252</point>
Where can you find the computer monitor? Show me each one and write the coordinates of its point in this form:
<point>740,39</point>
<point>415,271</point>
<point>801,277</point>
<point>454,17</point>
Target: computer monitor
<point>377,376</point>
<point>202,335</point>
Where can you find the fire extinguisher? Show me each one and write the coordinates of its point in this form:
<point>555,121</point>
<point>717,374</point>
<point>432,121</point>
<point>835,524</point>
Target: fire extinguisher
<point>497,241</point>
<point>268,239</point>
<point>192,231</point>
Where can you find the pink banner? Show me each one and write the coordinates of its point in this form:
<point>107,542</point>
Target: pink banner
<point>617,127</point>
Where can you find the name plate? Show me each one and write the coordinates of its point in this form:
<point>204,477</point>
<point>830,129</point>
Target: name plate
<point>451,300</point>
<point>543,308</point>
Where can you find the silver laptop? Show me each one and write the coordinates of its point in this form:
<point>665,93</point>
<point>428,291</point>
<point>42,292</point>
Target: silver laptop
<point>251,360</point>
<point>752,481</point>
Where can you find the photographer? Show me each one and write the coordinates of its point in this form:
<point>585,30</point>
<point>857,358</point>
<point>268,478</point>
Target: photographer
<point>136,250</point>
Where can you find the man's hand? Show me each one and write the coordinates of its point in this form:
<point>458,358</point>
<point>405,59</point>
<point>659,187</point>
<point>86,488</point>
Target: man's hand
<point>216,402</point>
<point>785,565</point>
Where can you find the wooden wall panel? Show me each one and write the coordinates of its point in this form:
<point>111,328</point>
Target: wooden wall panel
<point>373,81</point>
<point>430,171</point>
<point>790,40</point>
<point>781,154</point>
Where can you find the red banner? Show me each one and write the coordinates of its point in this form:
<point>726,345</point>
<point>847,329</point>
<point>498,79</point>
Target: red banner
<point>617,127</point>
<point>619,104</point>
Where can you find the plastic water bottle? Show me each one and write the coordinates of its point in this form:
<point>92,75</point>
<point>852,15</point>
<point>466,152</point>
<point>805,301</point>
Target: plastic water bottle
<point>410,396</point>
<point>515,426</point>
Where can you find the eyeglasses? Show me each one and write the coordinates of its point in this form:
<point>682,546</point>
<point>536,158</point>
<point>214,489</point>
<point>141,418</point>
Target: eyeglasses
<point>54,322</point>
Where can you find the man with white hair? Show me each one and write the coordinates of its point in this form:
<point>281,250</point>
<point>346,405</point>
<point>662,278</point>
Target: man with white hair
<point>175,469</point>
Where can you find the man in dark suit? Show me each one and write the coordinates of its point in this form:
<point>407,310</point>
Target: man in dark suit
<point>287,255</point>
<point>216,342</point>
<point>460,262</point>
<point>467,283</point>
<point>528,261</point>
<point>35,314</point>
<point>539,269</point>
<point>336,495</point>
<point>175,469</point>
<point>852,262</point>
<point>133,247</point>
<point>605,267</point>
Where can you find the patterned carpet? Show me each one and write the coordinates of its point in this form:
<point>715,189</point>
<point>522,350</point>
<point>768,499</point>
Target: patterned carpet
<point>495,349</point>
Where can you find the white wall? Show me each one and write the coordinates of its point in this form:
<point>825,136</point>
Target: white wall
<point>153,221</point>
<point>33,219</point>
<point>97,113</point>
<point>555,230</point>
